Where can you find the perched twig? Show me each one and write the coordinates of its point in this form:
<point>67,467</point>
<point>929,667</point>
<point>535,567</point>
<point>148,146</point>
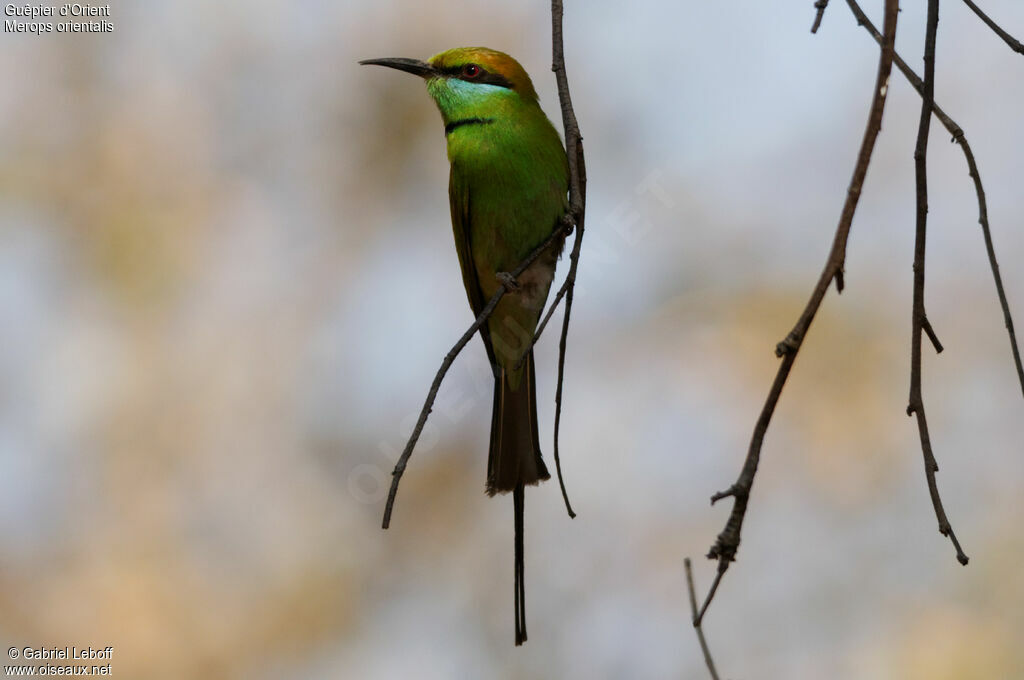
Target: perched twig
<point>697,620</point>
<point>1014,44</point>
<point>919,319</point>
<point>960,138</point>
<point>577,210</point>
<point>507,283</point>
<point>821,6</point>
<point>725,547</point>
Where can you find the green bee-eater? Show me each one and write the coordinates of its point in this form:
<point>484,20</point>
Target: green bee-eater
<point>507,189</point>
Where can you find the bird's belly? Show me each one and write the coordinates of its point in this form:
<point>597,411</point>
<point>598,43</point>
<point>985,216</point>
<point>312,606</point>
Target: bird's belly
<point>515,319</point>
<point>502,238</point>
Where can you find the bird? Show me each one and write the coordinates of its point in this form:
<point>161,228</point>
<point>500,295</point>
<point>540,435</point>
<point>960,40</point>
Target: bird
<point>507,190</point>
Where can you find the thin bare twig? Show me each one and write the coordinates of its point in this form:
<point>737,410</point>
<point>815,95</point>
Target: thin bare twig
<point>919,319</point>
<point>930,332</point>
<point>507,283</point>
<point>577,210</point>
<point>821,6</point>
<point>1014,44</point>
<point>960,138</point>
<point>697,620</point>
<point>725,547</point>
<point>711,591</point>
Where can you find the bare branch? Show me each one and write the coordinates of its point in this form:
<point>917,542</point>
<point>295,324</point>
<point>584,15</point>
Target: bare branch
<point>697,620</point>
<point>725,547</point>
<point>960,138</point>
<point>918,317</point>
<point>577,209</point>
<point>1014,44</point>
<point>821,6</point>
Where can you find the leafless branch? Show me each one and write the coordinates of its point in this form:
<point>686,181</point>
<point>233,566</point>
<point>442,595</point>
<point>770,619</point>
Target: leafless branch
<point>960,138</point>
<point>918,317</point>
<point>725,547</point>
<point>727,543</point>
<point>697,620</point>
<point>577,210</point>
<point>821,6</point>
<point>1014,44</point>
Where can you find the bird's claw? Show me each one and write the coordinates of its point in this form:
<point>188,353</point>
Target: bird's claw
<point>508,281</point>
<point>568,222</point>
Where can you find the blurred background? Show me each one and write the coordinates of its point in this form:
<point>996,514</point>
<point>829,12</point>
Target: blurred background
<point>227,279</point>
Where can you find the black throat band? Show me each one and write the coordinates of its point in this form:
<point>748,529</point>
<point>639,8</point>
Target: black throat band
<point>456,124</point>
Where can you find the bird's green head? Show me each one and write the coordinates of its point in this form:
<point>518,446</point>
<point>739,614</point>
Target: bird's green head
<point>468,82</point>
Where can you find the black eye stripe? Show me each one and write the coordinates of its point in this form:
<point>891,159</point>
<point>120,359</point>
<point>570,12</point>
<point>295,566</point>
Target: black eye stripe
<point>493,79</point>
<point>483,76</point>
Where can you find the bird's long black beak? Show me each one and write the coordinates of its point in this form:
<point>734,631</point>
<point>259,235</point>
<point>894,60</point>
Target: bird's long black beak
<point>413,66</point>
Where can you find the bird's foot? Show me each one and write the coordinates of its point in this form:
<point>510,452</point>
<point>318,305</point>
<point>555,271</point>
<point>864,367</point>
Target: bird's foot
<point>508,281</point>
<point>568,222</point>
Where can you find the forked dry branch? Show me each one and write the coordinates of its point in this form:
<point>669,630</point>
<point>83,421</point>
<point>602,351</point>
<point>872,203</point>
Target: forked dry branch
<point>727,543</point>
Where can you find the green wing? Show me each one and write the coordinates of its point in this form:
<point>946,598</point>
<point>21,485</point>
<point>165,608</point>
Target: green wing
<point>459,199</point>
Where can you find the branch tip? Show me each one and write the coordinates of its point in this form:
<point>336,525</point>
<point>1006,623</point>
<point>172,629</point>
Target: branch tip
<point>820,5</point>
<point>930,332</point>
<point>1012,42</point>
<point>731,491</point>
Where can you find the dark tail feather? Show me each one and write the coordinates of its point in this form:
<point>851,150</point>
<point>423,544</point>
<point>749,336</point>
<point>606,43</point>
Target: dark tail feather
<point>515,461</point>
<point>517,502</point>
<point>515,456</point>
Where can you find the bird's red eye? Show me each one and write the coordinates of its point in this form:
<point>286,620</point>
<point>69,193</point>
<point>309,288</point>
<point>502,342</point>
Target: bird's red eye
<point>471,70</point>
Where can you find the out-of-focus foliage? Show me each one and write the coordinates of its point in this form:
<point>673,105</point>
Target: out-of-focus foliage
<point>226,279</point>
